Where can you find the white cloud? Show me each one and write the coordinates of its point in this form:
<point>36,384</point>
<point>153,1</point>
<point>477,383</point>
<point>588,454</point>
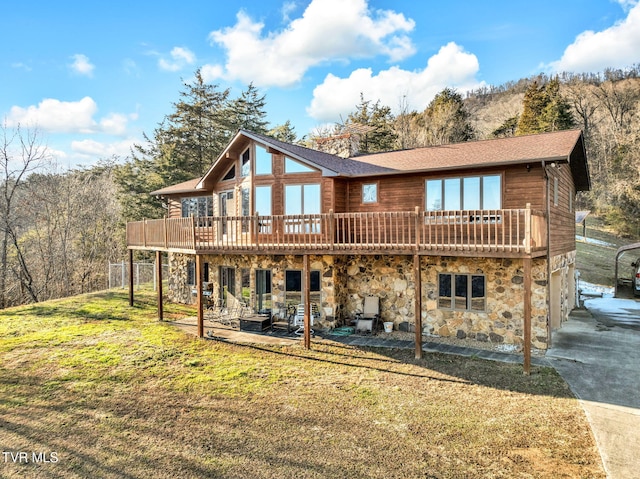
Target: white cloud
<point>114,124</point>
<point>627,4</point>
<point>320,35</point>
<point>92,149</point>
<point>55,116</point>
<point>81,65</point>
<point>180,58</point>
<point>450,67</point>
<point>615,47</point>
<point>287,9</point>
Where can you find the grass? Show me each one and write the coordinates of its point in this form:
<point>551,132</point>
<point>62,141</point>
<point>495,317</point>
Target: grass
<point>116,394</point>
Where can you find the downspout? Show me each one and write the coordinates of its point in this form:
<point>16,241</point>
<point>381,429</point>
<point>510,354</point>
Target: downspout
<point>548,298</point>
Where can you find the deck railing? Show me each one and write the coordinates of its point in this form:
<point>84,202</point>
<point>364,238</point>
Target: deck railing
<point>474,231</point>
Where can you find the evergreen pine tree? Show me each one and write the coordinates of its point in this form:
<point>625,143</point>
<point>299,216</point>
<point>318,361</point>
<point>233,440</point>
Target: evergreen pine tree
<point>446,119</point>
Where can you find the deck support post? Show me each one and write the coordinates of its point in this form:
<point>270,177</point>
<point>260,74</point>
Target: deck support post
<point>130,277</point>
<point>418,304</point>
<point>159,284</point>
<point>526,270</point>
<point>307,302</point>
<point>199,295</point>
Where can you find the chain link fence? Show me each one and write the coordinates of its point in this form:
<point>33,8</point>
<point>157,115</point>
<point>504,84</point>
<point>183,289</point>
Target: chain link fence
<point>143,274</point>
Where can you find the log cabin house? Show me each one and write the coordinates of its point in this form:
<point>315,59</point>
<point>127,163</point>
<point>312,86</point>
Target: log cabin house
<point>474,240</point>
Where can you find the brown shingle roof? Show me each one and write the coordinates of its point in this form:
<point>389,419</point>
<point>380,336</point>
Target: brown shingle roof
<point>184,187</point>
<point>560,146</point>
<point>503,151</point>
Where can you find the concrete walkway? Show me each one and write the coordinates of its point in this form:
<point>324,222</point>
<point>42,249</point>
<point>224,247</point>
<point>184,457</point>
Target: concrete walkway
<point>597,352</point>
<point>227,333</point>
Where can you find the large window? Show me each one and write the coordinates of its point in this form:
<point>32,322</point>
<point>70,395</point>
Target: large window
<point>462,292</point>
<point>197,206</point>
<point>468,193</point>
<point>262,207</point>
<point>292,166</point>
<point>228,285</point>
<point>245,169</point>
<point>294,287</point>
<point>263,161</point>
<point>302,200</point>
<point>263,200</point>
<point>263,290</point>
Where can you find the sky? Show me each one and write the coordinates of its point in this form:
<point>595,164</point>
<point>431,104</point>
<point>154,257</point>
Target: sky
<point>92,78</point>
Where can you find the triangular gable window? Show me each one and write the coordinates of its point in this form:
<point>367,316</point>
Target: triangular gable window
<point>293,166</point>
<point>231,174</point>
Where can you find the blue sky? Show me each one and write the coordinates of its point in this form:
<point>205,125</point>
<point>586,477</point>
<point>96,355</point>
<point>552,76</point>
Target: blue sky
<point>94,76</point>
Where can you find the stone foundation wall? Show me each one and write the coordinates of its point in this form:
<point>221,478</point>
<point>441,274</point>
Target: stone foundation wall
<point>346,280</point>
<point>331,271</point>
<point>565,265</point>
<point>503,320</point>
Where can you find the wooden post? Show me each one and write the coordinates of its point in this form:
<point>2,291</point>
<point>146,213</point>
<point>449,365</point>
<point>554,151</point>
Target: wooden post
<point>159,284</point>
<point>527,229</point>
<point>418,304</point>
<point>527,314</point>
<point>193,231</point>
<point>130,277</point>
<point>307,302</point>
<point>417,227</point>
<point>332,229</point>
<point>199,295</point>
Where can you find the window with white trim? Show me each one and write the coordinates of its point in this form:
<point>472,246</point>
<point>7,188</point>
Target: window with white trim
<point>370,193</point>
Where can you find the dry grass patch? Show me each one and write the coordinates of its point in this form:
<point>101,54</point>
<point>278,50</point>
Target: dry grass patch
<point>115,394</point>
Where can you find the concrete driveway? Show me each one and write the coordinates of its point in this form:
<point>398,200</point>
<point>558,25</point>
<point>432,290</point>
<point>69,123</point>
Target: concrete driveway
<point>597,352</point>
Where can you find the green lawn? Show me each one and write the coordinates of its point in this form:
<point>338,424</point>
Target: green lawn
<point>104,390</point>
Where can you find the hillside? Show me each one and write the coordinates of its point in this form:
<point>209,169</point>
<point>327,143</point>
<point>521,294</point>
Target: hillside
<point>596,255</point>
<point>90,387</point>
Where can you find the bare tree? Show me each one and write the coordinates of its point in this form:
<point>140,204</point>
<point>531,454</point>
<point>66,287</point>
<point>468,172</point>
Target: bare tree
<point>21,153</point>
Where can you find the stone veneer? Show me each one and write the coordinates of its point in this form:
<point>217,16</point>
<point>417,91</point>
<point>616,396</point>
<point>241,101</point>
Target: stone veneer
<point>332,296</point>
<point>346,280</point>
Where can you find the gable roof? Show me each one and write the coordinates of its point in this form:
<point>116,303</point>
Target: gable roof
<point>561,146</point>
<point>330,165</point>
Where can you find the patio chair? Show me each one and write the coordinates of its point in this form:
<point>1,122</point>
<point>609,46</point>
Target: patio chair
<point>299,318</point>
<point>368,320</point>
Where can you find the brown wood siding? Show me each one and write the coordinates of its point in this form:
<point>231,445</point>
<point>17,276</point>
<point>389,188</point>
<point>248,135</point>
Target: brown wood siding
<point>327,195</point>
<point>340,195</point>
<point>520,187</point>
<point>405,192</point>
<point>395,193</point>
<point>562,218</point>
<point>174,208</point>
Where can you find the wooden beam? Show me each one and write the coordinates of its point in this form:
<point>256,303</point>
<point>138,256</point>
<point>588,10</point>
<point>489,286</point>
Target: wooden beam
<point>418,304</point>
<point>130,277</point>
<point>159,284</point>
<point>307,301</point>
<point>199,295</point>
<point>526,271</point>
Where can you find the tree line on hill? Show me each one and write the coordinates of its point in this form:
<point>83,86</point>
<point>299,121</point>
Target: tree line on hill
<point>59,230</point>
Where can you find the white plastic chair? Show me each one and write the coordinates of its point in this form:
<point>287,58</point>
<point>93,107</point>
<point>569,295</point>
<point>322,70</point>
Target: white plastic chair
<point>299,318</point>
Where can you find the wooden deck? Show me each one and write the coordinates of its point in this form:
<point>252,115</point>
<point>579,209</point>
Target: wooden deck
<point>502,233</point>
